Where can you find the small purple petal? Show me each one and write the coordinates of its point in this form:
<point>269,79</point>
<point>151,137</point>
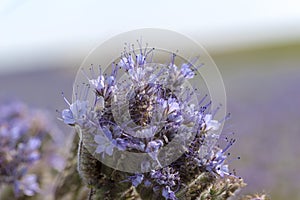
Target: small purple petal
<point>68,117</point>
<point>100,149</point>
<point>109,150</point>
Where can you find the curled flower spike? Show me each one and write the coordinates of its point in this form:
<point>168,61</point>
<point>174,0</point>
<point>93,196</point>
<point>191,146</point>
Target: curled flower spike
<point>147,127</point>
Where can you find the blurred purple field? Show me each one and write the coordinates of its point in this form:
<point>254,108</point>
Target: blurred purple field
<point>263,93</point>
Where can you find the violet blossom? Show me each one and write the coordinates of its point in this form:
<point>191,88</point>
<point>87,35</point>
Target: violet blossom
<point>145,114</point>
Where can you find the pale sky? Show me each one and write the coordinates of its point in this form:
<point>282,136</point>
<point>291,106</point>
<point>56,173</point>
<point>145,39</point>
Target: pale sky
<point>61,25</point>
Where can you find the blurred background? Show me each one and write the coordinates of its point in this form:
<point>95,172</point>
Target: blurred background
<point>255,44</point>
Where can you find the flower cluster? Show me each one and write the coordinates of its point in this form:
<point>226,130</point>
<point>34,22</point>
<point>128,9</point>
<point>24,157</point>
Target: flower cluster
<point>22,135</point>
<point>169,179</point>
<point>19,149</point>
<point>152,112</point>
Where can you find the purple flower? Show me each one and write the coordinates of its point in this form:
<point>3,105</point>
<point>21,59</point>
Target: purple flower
<point>110,80</point>
<point>136,179</point>
<point>186,71</point>
<point>28,184</point>
<point>98,83</point>
<point>104,142</point>
<point>152,149</point>
<point>21,136</point>
<point>126,62</point>
<point>142,114</point>
<point>172,105</point>
<point>168,193</point>
<point>141,59</point>
<point>210,124</point>
<point>166,176</point>
<point>75,113</point>
<point>222,170</point>
<point>68,117</point>
<point>216,162</point>
<point>167,179</point>
<point>33,144</point>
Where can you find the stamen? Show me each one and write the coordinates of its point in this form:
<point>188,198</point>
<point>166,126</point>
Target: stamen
<point>140,45</point>
<point>214,112</point>
<point>84,73</point>
<point>231,142</point>
<point>202,100</point>
<point>146,49</point>
<point>225,118</point>
<point>93,74</point>
<point>173,55</point>
<point>65,99</point>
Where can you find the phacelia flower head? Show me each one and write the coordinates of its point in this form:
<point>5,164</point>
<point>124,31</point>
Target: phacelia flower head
<point>146,118</point>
